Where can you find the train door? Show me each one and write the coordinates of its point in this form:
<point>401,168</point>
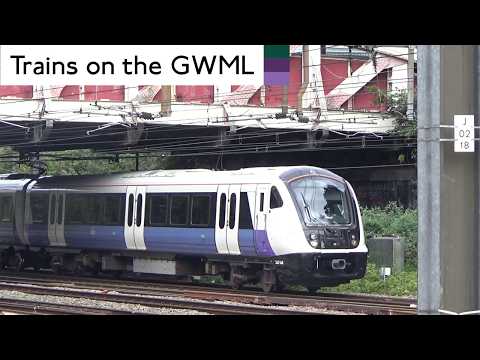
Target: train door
<point>262,205</point>
<point>221,220</point>
<point>134,217</point>
<point>56,218</point>
<point>60,224</point>
<point>140,218</point>
<point>226,224</point>
<point>233,219</point>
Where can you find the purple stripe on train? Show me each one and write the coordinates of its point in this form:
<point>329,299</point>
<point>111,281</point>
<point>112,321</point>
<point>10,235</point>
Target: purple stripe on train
<point>246,242</point>
<point>262,244</point>
<point>38,234</point>
<point>95,237</point>
<point>180,240</point>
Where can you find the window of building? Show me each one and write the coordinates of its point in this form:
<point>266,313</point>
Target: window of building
<point>262,200</point>
<point>200,210</point>
<point>179,210</point>
<point>275,198</point>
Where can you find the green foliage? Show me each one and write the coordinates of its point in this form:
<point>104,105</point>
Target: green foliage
<point>393,220</point>
<point>396,103</point>
<point>84,167</point>
<point>400,284</point>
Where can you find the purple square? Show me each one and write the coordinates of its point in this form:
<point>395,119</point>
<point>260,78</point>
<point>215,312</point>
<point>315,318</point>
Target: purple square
<point>276,78</point>
<point>276,65</point>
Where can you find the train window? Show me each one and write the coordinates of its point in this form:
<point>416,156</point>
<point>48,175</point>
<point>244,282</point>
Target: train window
<point>6,207</point>
<point>245,219</point>
<point>233,208</point>
<point>200,210</point>
<point>74,209</point>
<point>39,208</point>
<point>60,209</point>
<point>179,210</point>
<point>114,209</point>
<point>262,200</point>
<point>130,210</point>
<point>275,198</point>
<point>158,209</point>
<point>221,220</point>
<point>52,209</point>
<point>139,209</point>
<point>94,209</point>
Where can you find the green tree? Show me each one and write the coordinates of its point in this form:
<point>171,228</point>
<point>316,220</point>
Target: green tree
<point>396,103</point>
<point>80,166</point>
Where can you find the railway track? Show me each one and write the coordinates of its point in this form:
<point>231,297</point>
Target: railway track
<point>28,307</point>
<point>32,286</point>
<point>201,298</point>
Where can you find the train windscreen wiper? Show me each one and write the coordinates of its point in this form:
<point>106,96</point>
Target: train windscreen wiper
<point>307,209</point>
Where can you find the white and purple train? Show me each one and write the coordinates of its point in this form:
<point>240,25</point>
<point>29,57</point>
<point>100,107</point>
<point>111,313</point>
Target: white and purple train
<point>269,226</point>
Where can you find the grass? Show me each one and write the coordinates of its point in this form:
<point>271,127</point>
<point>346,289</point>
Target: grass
<point>400,284</point>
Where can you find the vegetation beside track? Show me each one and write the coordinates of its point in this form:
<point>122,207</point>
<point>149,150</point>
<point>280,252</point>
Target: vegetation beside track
<point>394,220</point>
<point>388,221</point>
<point>400,284</point>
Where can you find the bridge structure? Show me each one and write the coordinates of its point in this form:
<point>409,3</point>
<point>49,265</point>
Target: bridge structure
<point>321,119</point>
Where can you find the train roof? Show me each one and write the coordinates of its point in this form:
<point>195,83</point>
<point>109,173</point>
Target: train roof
<point>14,182</point>
<point>188,176</point>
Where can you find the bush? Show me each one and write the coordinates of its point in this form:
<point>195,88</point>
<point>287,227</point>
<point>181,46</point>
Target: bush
<point>393,220</point>
<point>401,284</point>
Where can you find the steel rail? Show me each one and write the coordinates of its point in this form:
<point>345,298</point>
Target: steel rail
<point>145,300</point>
<point>29,307</point>
<point>339,302</point>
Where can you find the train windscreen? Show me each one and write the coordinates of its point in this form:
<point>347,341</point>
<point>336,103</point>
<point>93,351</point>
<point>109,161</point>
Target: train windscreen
<point>323,201</point>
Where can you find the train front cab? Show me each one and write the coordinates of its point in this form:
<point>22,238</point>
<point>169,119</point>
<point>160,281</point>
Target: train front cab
<point>328,210</point>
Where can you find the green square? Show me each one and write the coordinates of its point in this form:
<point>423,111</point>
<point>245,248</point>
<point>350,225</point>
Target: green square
<point>276,51</point>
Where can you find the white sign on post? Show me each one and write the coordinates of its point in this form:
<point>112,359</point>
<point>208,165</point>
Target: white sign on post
<point>464,133</point>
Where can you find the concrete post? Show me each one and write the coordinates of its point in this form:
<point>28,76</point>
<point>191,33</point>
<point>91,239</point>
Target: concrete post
<point>448,197</point>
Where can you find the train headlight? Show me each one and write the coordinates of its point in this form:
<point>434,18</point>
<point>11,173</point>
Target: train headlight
<point>354,241</point>
<point>313,240</point>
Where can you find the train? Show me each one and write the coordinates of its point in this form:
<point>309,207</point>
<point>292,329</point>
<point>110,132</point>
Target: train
<point>270,226</point>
